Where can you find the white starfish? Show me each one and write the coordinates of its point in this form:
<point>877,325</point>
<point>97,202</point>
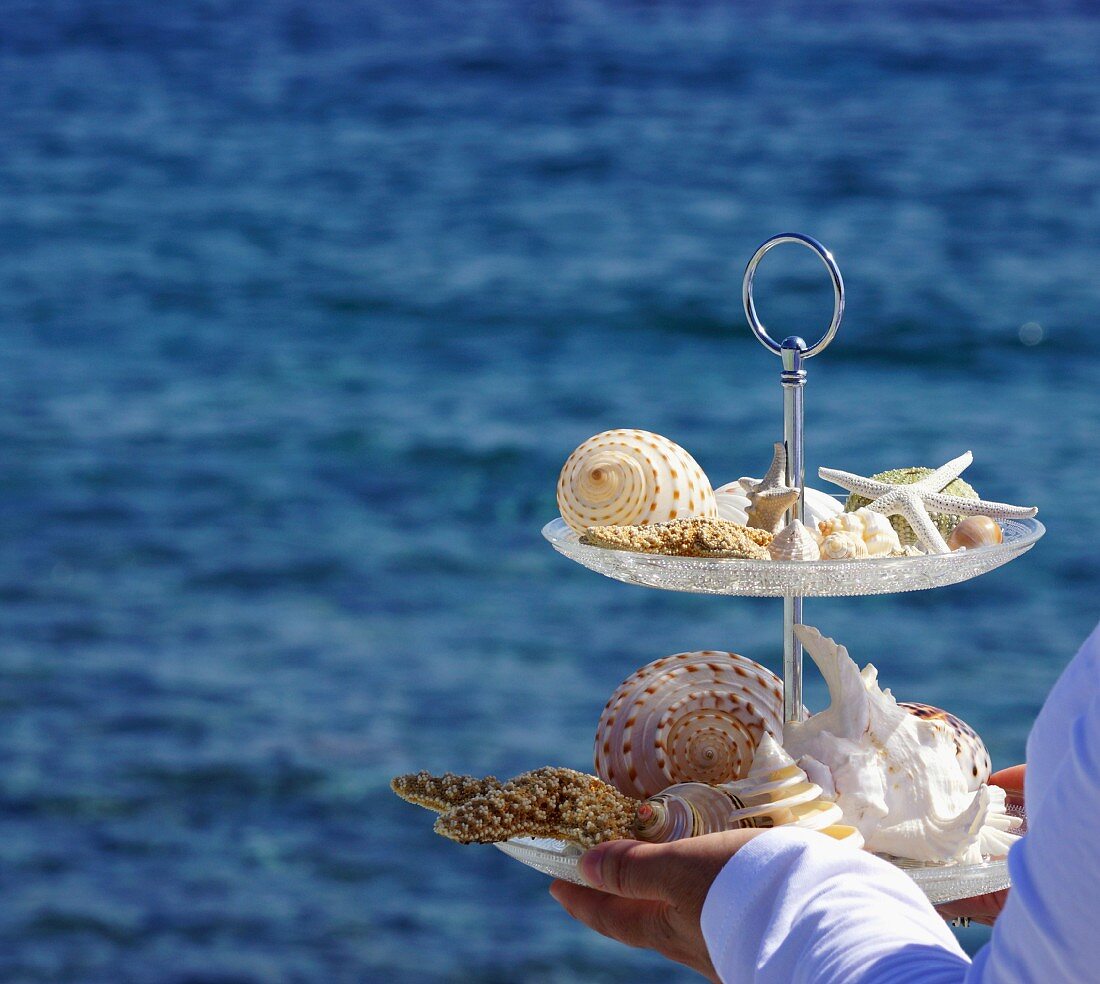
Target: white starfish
<point>913,502</point>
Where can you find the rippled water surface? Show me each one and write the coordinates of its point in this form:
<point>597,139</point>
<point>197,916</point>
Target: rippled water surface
<point>305,305</point>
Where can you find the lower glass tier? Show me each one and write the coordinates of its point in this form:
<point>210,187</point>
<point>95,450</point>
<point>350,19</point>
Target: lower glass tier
<point>942,883</point>
<point>785,578</point>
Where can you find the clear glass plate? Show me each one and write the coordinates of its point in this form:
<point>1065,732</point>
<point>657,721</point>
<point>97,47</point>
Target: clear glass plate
<point>786,578</point>
<point>942,883</point>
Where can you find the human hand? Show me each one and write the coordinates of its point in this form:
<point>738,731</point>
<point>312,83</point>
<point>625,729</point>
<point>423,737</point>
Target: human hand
<point>986,908</point>
<point>651,895</point>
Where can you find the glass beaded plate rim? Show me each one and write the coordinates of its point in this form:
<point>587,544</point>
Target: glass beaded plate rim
<point>810,578</point>
<point>940,882</point>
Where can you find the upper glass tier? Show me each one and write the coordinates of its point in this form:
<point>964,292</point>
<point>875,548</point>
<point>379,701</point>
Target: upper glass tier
<point>793,579</point>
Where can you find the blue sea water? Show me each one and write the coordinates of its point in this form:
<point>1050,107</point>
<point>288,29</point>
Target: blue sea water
<point>305,304</point>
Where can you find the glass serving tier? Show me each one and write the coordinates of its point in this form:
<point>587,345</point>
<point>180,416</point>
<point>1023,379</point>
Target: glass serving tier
<point>941,883</point>
<point>786,578</point>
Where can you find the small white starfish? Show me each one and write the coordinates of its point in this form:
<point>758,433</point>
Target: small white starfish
<point>913,502</point>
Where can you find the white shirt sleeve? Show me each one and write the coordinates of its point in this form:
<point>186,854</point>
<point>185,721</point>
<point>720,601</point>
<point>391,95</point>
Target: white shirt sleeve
<point>796,906</point>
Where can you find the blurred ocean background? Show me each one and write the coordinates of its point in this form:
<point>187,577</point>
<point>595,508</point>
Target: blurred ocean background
<point>305,304</point>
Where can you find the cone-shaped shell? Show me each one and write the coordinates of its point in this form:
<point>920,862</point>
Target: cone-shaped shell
<point>632,478</point>
<point>794,542</point>
<point>692,717</point>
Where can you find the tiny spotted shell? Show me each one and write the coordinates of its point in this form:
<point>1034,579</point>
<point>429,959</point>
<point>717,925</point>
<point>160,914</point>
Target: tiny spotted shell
<point>691,717</point>
<point>970,750</point>
<point>631,478</point>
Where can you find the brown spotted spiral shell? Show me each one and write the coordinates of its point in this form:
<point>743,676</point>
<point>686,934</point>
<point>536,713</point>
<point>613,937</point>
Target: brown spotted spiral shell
<point>632,478</point>
<point>970,750</point>
<point>691,717</point>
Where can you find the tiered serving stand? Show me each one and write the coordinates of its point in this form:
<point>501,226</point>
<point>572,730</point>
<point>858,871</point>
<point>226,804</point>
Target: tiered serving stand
<point>793,581</point>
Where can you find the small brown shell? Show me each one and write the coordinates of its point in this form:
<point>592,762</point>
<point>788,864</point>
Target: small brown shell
<point>692,717</point>
<point>975,531</point>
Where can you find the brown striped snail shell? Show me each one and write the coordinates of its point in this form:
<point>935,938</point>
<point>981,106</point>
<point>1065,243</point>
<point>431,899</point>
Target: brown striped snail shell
<point>767,797</point>
<point>970,750</point>
<point>691,717</point>
<point>632,478</point>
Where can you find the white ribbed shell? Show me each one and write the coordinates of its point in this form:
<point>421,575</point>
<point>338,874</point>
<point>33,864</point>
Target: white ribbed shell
<point>733,504</point>
<point>691,717</point>
<point>630,478</point>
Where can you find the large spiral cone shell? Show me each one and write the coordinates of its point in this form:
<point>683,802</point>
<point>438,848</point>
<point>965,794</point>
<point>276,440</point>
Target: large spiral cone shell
<point>970,750</point>
<point>631,478</point>
<point>692,717</point>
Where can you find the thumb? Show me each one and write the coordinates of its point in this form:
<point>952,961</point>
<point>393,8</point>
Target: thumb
<point>661,872</point>
<point>629,868</point>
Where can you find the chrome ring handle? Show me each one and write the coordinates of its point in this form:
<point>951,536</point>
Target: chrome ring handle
<point>757,325</point>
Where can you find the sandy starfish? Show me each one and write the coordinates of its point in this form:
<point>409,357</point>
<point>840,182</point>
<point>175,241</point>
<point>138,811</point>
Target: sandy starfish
<point>770,497</point>
<point>441,793</point>
<point>913,502</point>
<point>547,802</point>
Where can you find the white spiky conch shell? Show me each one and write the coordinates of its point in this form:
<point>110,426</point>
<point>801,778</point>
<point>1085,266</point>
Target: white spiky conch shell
<point>794,542</point>
<point>631,478</point>
<point>691,717</point>
<point>895,776</point>
<point>970,750</point>
<point>775,793</point>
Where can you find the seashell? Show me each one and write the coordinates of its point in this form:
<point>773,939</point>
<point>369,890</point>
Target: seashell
<point>775,793</point>
<point>630,478</point>
<point>691,717</point>
<point>794,542</point>
<point>733,504</point>
<point>873,528</point>
<point>970,750</point>
<point>975,531</point>
<point>843,545</point>
<point>897,776</point>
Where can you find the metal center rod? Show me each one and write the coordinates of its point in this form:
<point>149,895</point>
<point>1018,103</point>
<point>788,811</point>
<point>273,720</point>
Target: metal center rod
<point>793,351</point>
<point>793,378</point>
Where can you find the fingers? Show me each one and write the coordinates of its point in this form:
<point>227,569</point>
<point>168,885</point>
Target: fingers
<point>982,908</point>
<point>635,922</point>
<point>1011,780</point>
<point>679,873</point>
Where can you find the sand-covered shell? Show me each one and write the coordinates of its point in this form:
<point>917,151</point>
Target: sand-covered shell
<point>843,545</point>
<point>691,717</point>
<point>733,504</point>
<point>873,528</point>
<point>794,542</point>
<point>976,531</point>
<point>630,478</point>
<point>970,750</point>
<point>776,793</point>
